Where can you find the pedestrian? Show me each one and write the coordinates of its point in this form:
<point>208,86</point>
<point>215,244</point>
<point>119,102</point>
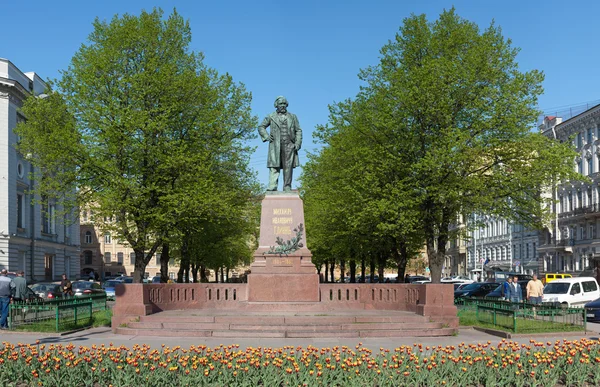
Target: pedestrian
<point>535,290</point>
<point>20,286</point>
<point>516,293</point>
<point>66,286</point>
<point>7,287</point>
<point>505,291</point>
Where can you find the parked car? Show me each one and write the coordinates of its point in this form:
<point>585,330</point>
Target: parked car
<point>572,291</point>
<point>156,279</point>
<point>501,276</point>
<point>592,310</point>
<point>476,289</point>
<point>497,293</point>
<point>109,288</point>
<point>549,277</point>
<point>457,279</point>
<point>47,290</point>
<point>86,288</point>
<point>127,280</point>
<point>415,278</point>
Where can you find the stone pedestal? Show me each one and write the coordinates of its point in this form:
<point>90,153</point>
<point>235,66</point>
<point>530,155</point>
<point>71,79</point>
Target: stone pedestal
<point>288,277</point>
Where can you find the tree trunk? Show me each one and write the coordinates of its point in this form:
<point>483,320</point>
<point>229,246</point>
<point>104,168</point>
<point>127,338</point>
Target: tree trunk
<point>372,269</point>
<point>326,270</point>
<point>436,244</point>
<point>222,275</point>
<point>343,270</point>
<point>401,259</point>
<point>227,274</point>
<point>381,267</point>
<point>139,266</point>
<point>195,272</point>
<point>332,269</point>
<point>184,265</point>
<point>217,275</point>
<point>164,263</point>
<point>352,271</point>
<point>363,269</point>
<point>203,277</point>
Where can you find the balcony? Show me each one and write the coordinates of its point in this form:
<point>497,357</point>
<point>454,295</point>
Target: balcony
<point>591,209</point>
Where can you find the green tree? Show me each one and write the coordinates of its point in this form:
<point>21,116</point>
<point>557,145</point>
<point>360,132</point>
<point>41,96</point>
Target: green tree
<point>448,114</point>
<point>144,130</point>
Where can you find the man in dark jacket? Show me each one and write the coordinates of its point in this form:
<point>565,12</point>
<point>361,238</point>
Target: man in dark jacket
<point>66,286</point>
<point>7,287</point>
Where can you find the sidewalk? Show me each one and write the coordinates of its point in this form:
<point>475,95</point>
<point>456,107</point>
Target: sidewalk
<point>99,336</point>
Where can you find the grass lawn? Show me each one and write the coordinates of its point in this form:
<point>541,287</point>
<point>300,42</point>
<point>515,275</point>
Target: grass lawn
<point>99,319</point>
<point>524,325</point>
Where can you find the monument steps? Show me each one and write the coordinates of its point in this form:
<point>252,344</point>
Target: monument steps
<point>241,325</point>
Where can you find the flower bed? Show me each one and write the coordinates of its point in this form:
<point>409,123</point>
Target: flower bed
<point>564,363</point>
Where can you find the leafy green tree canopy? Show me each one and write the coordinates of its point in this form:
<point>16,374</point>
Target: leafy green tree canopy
<point>147,133</point>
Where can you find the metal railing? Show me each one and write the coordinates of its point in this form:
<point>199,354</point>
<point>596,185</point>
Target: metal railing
<point>61,314</point>
<point>525,317</point>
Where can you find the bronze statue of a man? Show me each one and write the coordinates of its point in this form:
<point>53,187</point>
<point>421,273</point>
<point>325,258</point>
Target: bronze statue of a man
<point>285,141</point>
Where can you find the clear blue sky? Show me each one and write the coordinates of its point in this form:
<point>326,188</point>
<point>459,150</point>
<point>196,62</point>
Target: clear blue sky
<point>311,51</point>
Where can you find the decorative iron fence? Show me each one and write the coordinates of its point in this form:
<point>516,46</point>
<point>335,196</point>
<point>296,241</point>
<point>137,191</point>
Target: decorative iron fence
<point>525,317</point>
<point>63,314</point>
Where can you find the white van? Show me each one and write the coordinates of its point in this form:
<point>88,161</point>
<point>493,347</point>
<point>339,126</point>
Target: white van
<point>574,292</point>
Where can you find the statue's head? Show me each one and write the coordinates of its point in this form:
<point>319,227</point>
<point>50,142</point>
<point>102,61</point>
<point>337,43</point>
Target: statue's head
<point>281,104</point>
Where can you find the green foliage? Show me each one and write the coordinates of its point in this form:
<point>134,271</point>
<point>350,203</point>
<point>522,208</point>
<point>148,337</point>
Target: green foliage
<point>146,133</point>
<point>442,127</point>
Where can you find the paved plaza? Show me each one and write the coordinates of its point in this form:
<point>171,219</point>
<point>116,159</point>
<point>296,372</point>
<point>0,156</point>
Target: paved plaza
<point>99,336</point>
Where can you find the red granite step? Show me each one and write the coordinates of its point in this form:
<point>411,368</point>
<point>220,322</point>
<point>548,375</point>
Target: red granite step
<point>162,332</point>
<point>392,326</point>
<point>286,324</point>
<point>409,333</point>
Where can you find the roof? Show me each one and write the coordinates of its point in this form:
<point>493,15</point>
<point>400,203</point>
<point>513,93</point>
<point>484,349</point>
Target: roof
<point>572,279</point>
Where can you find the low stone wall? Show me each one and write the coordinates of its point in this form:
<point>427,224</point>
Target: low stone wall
<point>435,301</point>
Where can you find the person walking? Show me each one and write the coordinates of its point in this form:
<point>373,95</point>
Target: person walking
<point>66,286</point>
<point>535,290</point>
<point>20,286</point>
<point>7,287</point>
<point>516,293</point>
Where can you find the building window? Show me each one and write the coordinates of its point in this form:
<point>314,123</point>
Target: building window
<point>20,210</point>
<point>590,166</point>
<point>157,259</point>
<point>527,250</point>
<point>580,166</point>
<point>120,258</point>
<point>589,197</point>
<point>590,135</point>
<point>579,140</point>
<point>107,257</point>
<point>579,199</point>
<point>106,238</point>
<point>570,201</point>
<point>88,237</point>
<point>87,257</point>
<point>132,258</point>
<point>534,250</point>
<point>20,169</point>
<point>48,217</point>
<point>171,262</point>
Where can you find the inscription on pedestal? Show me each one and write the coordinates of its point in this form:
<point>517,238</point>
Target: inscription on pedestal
<point>282,262</point>
<point>282,224</point>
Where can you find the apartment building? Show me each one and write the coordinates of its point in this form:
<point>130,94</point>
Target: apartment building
<point>34,235</point>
